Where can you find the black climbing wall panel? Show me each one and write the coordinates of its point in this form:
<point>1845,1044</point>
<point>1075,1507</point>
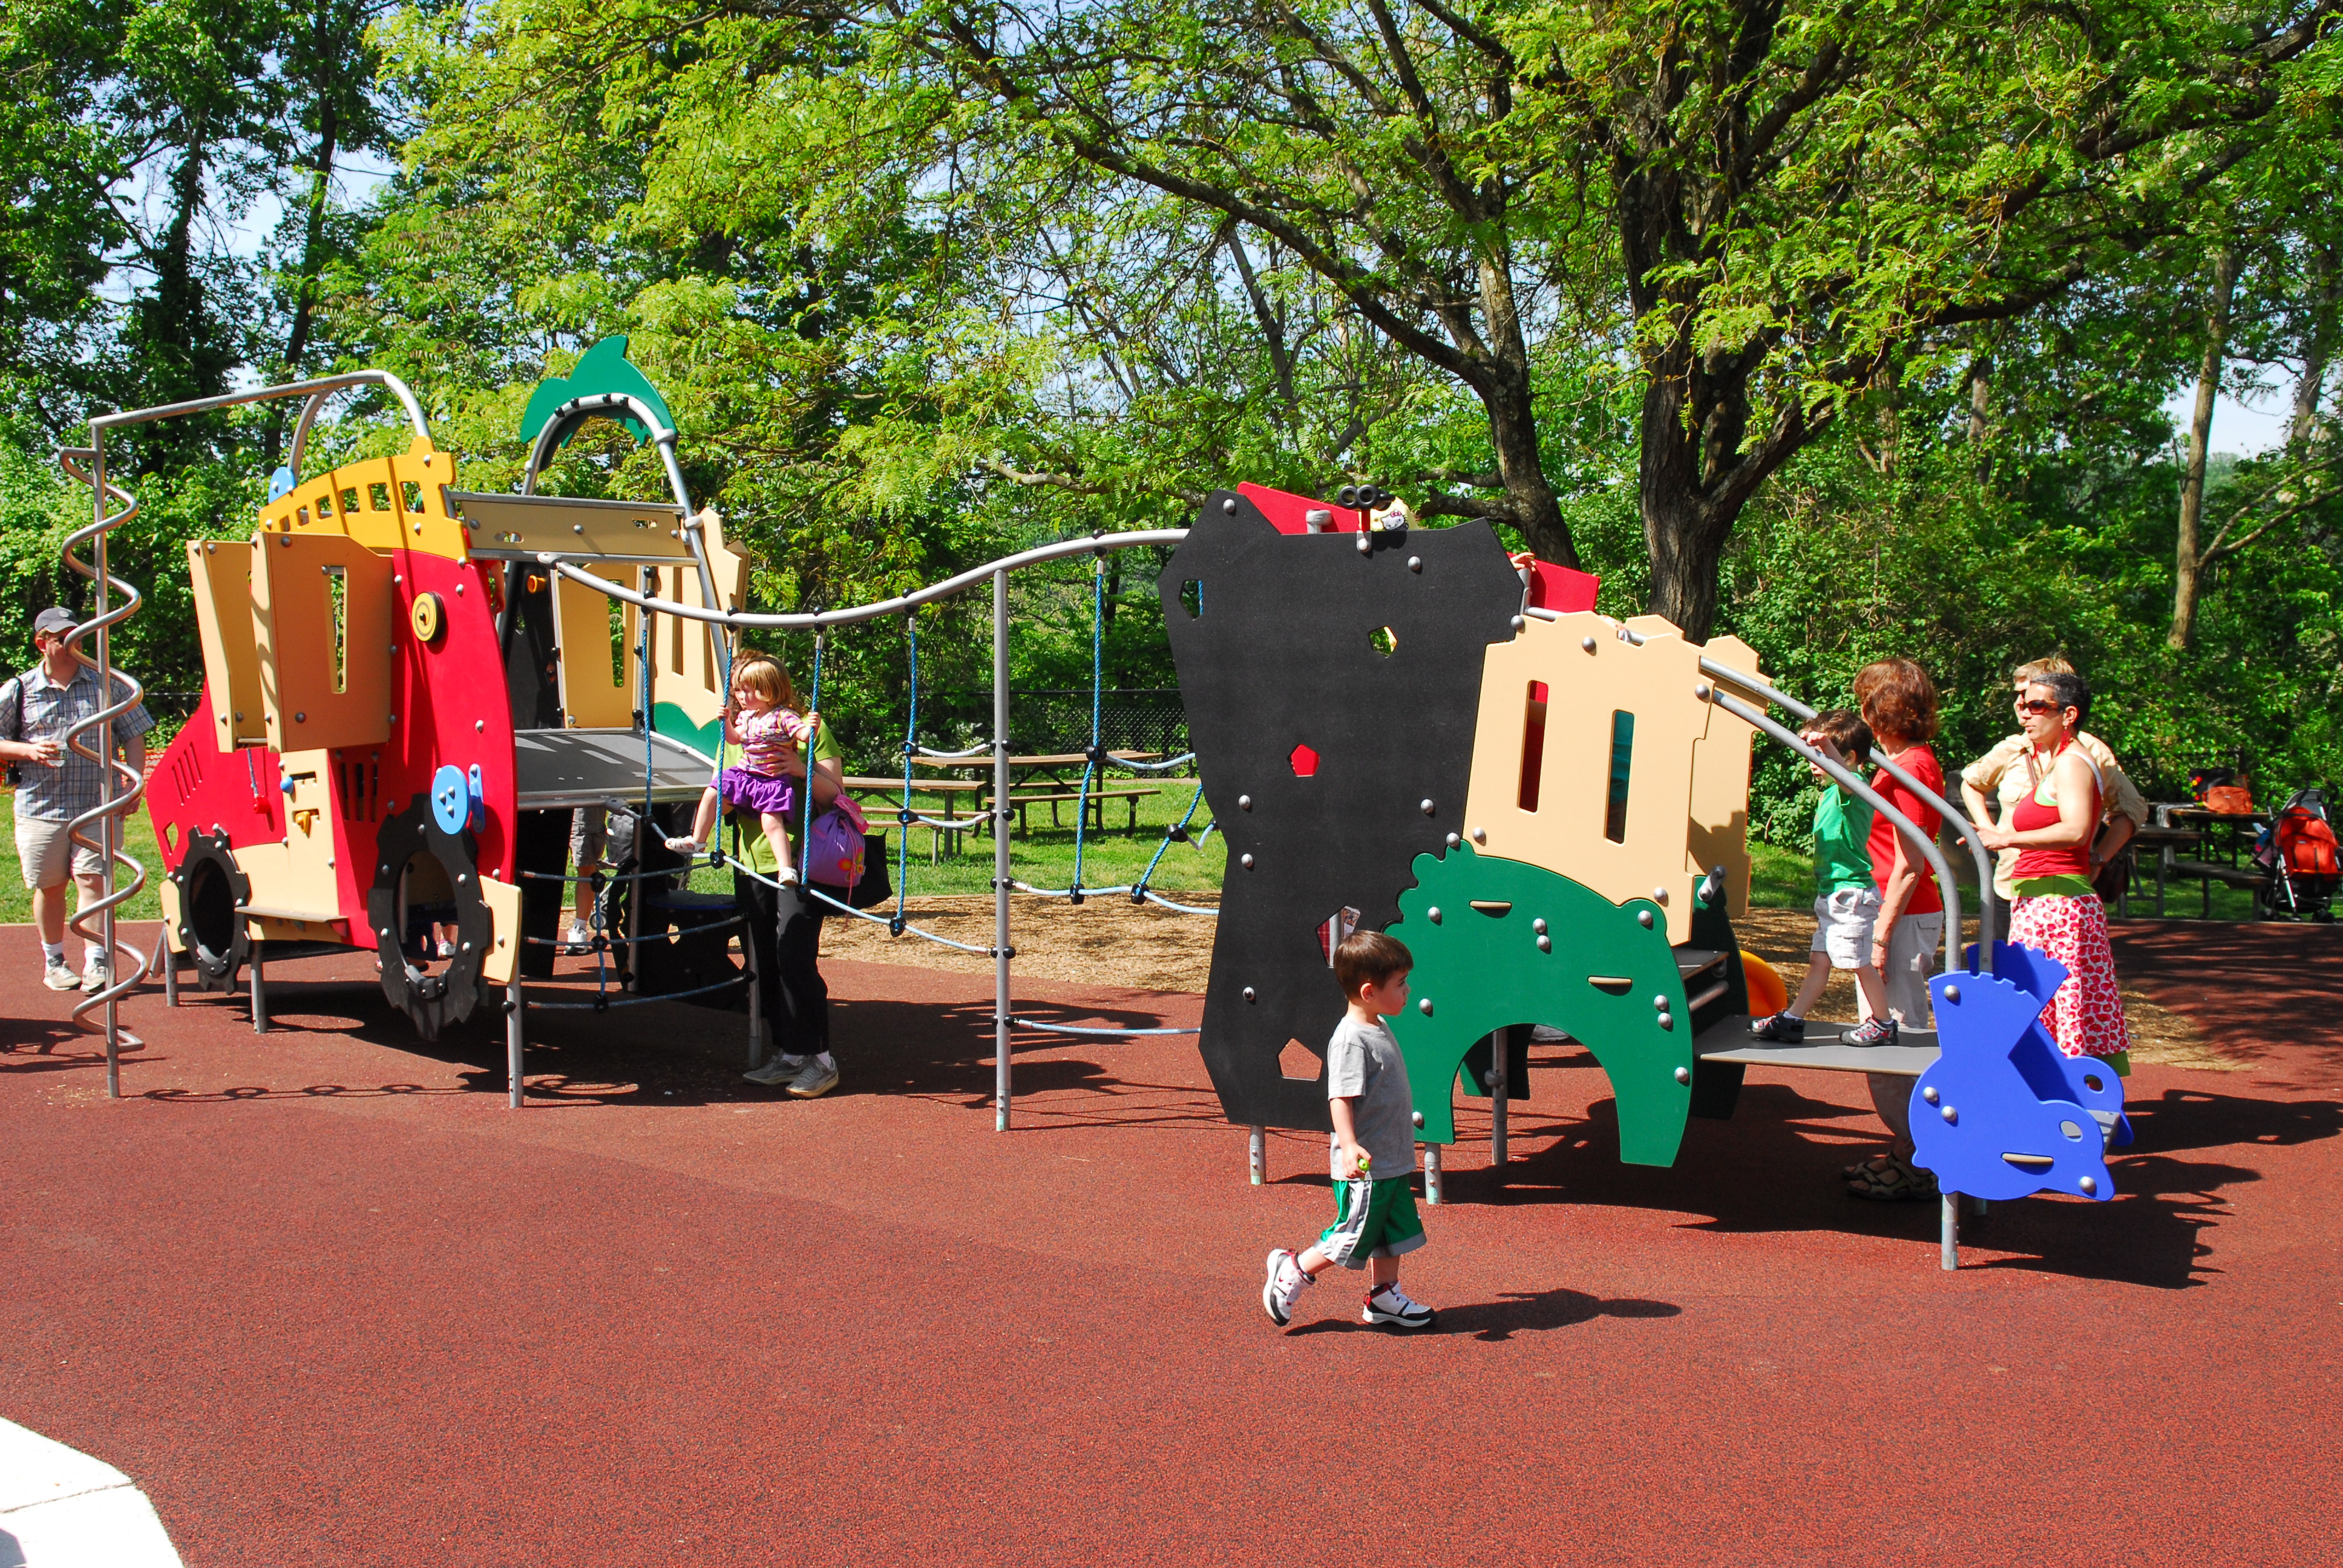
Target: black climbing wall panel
<point>1370,668</point>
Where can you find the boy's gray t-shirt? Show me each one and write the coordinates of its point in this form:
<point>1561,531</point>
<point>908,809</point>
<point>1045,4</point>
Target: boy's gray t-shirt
<point>1363,1061</point>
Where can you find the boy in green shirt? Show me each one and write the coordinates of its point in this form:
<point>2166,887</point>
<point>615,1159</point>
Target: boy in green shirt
<point>1847,899</point>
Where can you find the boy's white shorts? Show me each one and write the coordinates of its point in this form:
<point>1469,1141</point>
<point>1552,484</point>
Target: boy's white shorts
<point>1843,922</point>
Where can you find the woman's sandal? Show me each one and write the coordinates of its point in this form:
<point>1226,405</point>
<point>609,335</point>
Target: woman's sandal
<point>1898,1183</point>
<point>1876,1166</point>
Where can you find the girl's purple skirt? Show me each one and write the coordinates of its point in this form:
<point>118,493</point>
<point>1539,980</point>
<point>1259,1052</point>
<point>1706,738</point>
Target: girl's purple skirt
<point>759,793</point>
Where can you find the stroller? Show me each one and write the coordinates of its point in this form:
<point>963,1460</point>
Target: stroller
<point>2298,850</point>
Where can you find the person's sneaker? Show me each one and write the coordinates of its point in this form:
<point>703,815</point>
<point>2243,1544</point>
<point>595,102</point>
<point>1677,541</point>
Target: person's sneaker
<point>59,976</point>
<point>1870,1031</point>
<point>814,1081</point>
<point>1286,1282</point>
<point>446,948</point>
<point>577,939</point>
<point>1391,1305</point>
<point>96,976</point>
<point>774,1073</point>
<point>1785,1026</point>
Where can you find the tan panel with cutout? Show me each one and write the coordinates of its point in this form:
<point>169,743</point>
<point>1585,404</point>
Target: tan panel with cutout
<point>687,663</point>
<point>594,690</point>
<point>1720,786</point>
<point>322,685</point>
<point>294,879</point>
<point>503,899</point>
<point>220,572</point>
<point>1590,673</point>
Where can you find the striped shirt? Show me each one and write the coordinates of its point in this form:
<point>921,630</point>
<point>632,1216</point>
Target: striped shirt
<point>34,708</point>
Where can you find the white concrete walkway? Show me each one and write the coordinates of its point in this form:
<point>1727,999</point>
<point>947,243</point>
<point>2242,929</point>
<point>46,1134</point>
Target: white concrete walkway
<point>61,1509</point>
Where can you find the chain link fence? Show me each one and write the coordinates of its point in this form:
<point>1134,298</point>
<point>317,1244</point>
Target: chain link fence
<point>1042,721</point>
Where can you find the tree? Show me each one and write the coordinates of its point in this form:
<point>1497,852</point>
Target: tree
<point>1763,206</point>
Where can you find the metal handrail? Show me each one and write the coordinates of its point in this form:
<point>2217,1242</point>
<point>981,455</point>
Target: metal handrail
<point>897,606</point>
<point>1970,835</point>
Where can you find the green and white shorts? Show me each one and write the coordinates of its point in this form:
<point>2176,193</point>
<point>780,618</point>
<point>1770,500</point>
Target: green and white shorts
<point>1372,1218</point>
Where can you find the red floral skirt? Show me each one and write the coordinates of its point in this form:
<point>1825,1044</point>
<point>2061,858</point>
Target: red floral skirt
<point>2085,1016</point>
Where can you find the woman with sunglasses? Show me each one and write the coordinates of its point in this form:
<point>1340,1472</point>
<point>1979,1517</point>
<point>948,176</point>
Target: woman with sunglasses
<point>2056,912</point>
<point>1996,781</point>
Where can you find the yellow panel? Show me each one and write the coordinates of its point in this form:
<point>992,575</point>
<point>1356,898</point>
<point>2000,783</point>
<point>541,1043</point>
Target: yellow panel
<point>688,667</point>
<point>1590,672</point>
<point>596,692</point>
<point>1720,786</point>
<point>311,697</point>
<point>388,513</point>
<point>222,580</point>
<point>503,899</point>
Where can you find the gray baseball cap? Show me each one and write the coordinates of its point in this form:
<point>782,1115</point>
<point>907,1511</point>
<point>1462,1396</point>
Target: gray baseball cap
<point>54,618</point>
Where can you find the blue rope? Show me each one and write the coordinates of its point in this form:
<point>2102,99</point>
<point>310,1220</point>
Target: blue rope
<point>1139,889</point>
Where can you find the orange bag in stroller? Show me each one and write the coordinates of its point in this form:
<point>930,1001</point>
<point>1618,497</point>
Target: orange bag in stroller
<point>2304,865</point>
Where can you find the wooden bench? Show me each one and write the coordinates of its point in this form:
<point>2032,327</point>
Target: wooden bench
<point>1094,800</point>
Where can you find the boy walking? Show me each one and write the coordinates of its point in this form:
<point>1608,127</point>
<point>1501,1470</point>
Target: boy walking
<point>1847,899</point>
<point>1373,1147</point>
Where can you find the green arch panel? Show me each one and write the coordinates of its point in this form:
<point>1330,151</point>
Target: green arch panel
<point>1479,969</point>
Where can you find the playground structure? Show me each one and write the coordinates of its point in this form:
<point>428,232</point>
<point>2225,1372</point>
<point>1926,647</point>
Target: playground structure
<point>1394,728</point>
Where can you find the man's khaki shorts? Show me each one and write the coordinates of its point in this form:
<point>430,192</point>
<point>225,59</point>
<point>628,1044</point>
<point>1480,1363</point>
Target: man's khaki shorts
<point>42,848</point>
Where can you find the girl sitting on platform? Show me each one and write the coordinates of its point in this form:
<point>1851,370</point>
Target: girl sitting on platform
<point>759,722</point>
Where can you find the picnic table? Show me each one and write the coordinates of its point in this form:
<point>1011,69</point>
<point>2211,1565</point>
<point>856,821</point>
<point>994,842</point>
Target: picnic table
<point>2173,826</point>
<point>1044,781</point>
<point>941,840</point>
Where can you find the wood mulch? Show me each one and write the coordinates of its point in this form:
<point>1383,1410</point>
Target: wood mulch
<point>1111,941</point>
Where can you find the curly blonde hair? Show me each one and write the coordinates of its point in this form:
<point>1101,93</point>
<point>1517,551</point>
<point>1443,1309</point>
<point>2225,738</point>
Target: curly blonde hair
<point>764,675</point>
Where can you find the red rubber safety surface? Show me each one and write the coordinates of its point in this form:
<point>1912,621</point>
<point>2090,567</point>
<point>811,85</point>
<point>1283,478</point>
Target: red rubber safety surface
<point>328,1302</point>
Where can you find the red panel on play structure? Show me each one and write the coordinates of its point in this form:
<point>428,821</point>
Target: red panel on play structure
<point>197,788</point>
<point>1285,510</point>
<point>1554,588</point>
<point>1560,590</point>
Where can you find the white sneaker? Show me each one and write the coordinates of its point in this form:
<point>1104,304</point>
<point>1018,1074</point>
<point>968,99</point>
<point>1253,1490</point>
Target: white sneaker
<point>96,976</point>
<point>814,1081</point>
<point>1391,1305</point>
<point>446,950</point>
<point>577,938</point>
<point>59,976</point>
<point>1286,1282</point>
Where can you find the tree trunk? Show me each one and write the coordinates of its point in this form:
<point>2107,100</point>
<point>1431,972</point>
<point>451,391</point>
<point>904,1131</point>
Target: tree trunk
<point>2317,347</point>
<point>1513,431</point>
<point>313,260</point>
<point>2188,562</point>
<point>1683,528</point>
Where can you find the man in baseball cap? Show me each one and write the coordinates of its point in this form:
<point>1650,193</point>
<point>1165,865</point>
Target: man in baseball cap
<point>56,784</point>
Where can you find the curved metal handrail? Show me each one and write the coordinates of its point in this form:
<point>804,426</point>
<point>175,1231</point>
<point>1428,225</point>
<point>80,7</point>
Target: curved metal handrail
<point>325,388</point>
<point>897,606</point>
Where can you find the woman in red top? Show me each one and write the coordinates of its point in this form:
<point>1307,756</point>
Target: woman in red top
<point>1899,703</point>
<point>2057,911</point>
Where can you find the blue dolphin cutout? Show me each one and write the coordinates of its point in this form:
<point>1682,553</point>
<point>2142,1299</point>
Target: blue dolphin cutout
<point>1995,1115</point>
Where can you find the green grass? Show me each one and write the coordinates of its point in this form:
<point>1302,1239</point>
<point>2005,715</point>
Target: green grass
<point>1045,858</point>
<point>16,900</point>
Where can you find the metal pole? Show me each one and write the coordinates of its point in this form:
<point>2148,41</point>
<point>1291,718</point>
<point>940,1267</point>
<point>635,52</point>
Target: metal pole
<point>1001,949</point>
<point>259,994</point>
<point>1500,1054</point>
<point>516,1035</point>
<point>1951,1239</point>
<point>755,992</point>
<point>1431,1188</point>
<point>1257,1150</point>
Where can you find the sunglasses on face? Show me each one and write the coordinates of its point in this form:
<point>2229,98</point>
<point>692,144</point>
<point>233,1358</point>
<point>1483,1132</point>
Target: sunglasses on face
<point>2038,705</point>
